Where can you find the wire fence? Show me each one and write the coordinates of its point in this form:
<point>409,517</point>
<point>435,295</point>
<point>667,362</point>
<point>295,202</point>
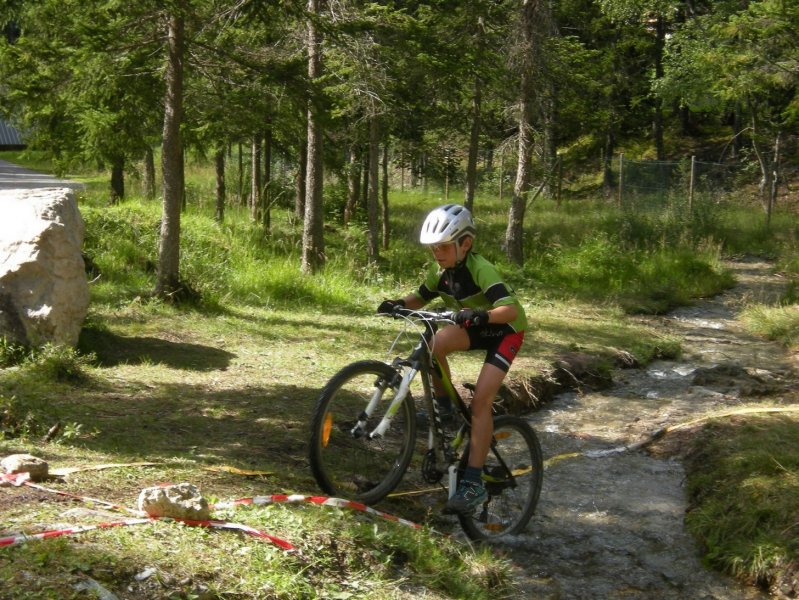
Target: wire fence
<point>654,184</point>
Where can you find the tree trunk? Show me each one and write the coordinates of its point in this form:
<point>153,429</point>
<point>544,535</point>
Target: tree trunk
<point>266,199</point>
<point>423,171</point>
<point>402,171</point>
<point>168,280</point>
<point>474,133</point>
<point>775,180</point>
<point>474,145</point>
<point>737,127</point>
<point>657,121</point>
<point>501,174</point>
<point>219,160</point>
<point>607,162</point>
<point>384,193</point>
<point>255,178</point>
<point>149,174</point>
<point>447,164</point>
<point>241,174</point>
<point>353,183</point>
<point>313,244</point>
<point>549,117</point>
<point>514,235</point>
<point>372,209</point>
<point>299,199</point>
<point>762,159</point>
<point>117,179</point>
<point>364,199</point>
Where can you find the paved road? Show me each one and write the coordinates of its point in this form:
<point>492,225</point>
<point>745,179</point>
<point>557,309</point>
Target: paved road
<point>15,177</point>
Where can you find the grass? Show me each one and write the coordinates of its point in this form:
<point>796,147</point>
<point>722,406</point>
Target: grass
<point>743,485</point>
<point>780,323</point>
<point>230,381</point>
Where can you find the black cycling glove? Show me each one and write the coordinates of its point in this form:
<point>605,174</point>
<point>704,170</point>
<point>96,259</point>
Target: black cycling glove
<point>471,317</point>
<point>387,306</point>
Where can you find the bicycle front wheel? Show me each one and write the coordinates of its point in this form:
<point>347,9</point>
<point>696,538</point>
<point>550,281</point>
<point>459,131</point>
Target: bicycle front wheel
<point>344,460</point>
<point>513,475</point>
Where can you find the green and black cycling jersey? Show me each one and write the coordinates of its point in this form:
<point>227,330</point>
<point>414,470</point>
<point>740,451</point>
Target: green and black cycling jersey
<point>474,283</point>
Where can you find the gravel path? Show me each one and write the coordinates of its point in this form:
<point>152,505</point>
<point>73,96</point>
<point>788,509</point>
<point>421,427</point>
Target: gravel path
<point>14,177</point>
<point>610,522</point>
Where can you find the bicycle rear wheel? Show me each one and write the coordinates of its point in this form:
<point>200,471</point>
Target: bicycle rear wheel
<point>344,461</point>
<point>513,475</point>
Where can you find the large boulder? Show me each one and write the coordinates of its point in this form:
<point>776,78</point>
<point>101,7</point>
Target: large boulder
<point>44,295</point>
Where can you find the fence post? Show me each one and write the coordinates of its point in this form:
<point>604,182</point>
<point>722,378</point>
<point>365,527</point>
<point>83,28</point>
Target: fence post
<point>691,185</point>
<point>621,176</point>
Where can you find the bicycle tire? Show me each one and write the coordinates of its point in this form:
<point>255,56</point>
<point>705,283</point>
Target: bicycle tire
<point>353,467</point>
<point>511,500</point>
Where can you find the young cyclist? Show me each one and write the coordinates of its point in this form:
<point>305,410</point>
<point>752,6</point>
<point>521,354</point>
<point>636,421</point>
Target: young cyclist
<point>489,318</point>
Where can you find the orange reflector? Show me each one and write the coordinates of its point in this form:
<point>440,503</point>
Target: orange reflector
<point>503,435</point>
<point>494,527</point>
<point>326,429</point>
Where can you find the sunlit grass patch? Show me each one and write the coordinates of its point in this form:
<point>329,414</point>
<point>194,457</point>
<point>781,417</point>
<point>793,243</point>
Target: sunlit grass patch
<point>780,323</point>
<point>743,485</point>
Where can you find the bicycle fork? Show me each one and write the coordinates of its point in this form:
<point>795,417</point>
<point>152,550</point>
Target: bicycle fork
<point>409,372</point>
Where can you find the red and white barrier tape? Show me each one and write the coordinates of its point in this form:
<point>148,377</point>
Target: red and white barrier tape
<point>15,479</point>
<point>318,500</point>
<point>20,479</point>
<point>22,538</point>
<point>216,524</point>
<point>211,524</point>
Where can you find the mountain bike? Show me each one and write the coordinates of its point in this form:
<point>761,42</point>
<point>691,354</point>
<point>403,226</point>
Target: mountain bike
<point>363,436</point>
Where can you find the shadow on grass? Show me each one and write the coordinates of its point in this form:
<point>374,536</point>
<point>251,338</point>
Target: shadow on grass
<point>248,427</point>
<point>112,349</point>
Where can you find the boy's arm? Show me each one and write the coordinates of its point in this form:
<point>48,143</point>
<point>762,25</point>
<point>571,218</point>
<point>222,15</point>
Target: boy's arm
<point>502,314</point>
<point>413,302</point>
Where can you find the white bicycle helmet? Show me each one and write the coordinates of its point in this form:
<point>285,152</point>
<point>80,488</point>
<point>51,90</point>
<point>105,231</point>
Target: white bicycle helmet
<point>447,223</point>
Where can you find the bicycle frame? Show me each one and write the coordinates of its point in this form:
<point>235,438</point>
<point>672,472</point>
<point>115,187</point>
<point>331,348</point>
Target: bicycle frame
<point>422,360</point>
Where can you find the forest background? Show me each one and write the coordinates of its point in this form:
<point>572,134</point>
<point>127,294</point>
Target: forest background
<point>469,92</point>
<point>298,146</point>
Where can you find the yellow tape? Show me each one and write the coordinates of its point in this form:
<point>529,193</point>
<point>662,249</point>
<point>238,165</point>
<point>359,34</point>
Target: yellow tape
<point>236,470</point>
<point>69,470</point>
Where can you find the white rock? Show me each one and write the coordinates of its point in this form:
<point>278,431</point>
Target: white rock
<point>26,463</point>
<point>44,294</point>
<point>181,501</point>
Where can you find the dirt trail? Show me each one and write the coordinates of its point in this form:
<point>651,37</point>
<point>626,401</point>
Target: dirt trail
<point>610,523</point>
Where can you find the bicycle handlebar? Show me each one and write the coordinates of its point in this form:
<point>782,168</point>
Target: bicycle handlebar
<point>435,316</point>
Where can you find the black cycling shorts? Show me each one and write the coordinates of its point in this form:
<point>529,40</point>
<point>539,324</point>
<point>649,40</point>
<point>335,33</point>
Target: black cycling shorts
<point>500,342</point>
